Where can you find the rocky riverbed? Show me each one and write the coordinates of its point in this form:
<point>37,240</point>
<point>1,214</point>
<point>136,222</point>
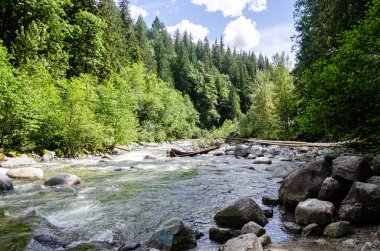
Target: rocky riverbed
<point>125,201</point>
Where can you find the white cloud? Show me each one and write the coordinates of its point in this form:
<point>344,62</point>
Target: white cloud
<point>197,31</point>
<point>232,8</point>
<point>137,11</point>
<point>258,5</point>
<point>276,39</point>
<point>242,34</point>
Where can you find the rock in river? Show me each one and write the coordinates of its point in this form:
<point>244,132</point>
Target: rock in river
<point>350,169</point>
<point>242,150</point>
<point>262,160</point>
<point>240,212</point>
<point>45,242</point>
<point>221,235</point>
<point>6,184</point>
<point>314,211</point>
<point>63,179</point>
<point>245,242</point>
<point>253,228</point>
<point>337,229</point>
<point>304,183</point>
<point>332,190</point>
<point>172,235</point>
<point>26,173</point>
<point>49,156</point>
<point>362,204</point>
<point>22,160</point>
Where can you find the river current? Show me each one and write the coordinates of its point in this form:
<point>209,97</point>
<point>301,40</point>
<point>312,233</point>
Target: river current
<point>126,199</point>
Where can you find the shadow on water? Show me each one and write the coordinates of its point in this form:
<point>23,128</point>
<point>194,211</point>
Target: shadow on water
<point>127,206</point>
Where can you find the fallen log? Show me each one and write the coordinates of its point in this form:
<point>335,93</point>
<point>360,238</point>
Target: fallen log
<point>176,153</point>
<point>302,143</point>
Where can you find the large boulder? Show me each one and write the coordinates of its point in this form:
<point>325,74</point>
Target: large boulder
<point>283,171</point>
<point>221,235</point>
<point>304,183</point>
<point>337,229</point>
<point>349,169</point>
<point>314,211</point>
<point>240,212</point>
<point>6,184</point>
<point>253,228</point>
<point>63,179</point>
<point>245,242</point>
<point>30,173</point>
<point>19,161</point>
<point>172,235</point>
<point>374,180</point>
<point>332,190</point>
<point>45,242</point>
<point>242,150</point>
<point>49,156</point>
<point>376,164</point>
<point>362,204</point>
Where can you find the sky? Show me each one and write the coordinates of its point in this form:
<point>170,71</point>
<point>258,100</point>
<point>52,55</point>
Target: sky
<point>262,26</point>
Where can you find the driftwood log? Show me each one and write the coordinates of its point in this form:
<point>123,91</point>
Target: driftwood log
<point>176,153</point>
<point>301,143</point>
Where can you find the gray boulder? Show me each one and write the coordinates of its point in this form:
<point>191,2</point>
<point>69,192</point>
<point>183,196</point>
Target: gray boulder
<point>283,172</point>
<point>240,212</point>
<point>362,204</point>
<point>304,183</point>
<point>172,235</point>
<point>49,156</point>
<point>6,184</point>
<point>314,211</point>
<point>253,228</point>
<point>337,229</point>
<point>311,230</point>
<point>63,179</point>
<point>30,173</point>
<point>292,227</point>
<point>332,190</point>
<point>242,150</point>
<point>349,169</point>
<point>376,164</point>
<point>45,242</point>
<point>268,211</point>
<point>245,242</point>
<point>221,235</point>
<point>374,180</point>
<point>19,161</point>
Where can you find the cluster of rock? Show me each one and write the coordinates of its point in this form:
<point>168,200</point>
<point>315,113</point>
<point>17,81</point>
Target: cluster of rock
<point>330,194</point>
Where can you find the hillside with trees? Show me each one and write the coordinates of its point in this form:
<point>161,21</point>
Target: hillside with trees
<point>83,76</point>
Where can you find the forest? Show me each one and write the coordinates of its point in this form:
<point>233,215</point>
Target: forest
<point>83,76</point>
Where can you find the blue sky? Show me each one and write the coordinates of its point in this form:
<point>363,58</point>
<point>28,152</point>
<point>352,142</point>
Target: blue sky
<point>257,25</point>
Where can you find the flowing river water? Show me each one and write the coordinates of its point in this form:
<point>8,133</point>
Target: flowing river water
<point>124,200</point>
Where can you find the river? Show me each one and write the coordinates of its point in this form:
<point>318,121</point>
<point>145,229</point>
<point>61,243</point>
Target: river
<point>124,200</point>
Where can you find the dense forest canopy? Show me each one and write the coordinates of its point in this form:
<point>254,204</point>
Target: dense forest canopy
<point>81,75</point>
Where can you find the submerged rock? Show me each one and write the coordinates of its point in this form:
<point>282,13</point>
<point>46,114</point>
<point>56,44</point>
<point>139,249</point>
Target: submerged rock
<point>337,229</point>
<point>45,242</point>
<point>19,161</point>
<point>221,235</point>
<point>304,183</point>
<point>172,235</point>
<point>245,242</point>
<point>314,211</point>
<point>240,212</point>
<point>6,184</point>
<point>26,173</point>
<point>63,179</point>
<point>362,204</point>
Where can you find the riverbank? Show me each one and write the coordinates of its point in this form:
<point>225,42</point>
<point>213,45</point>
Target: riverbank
<point>123,199</point>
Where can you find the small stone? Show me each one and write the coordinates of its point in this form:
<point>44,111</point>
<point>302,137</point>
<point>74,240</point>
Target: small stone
<point>270,201</point>
<point>106,156</point>
<point>337,229</point>
<point>311,230</point>
<point>253,228</point>
<point>262,160</point>
<point>221,235</point>
<point>130,247</point>
<point>350,243</point>
<point>292,227</point>
<point>368,246</point>
<point>150,157</point>
<point>245,242</point>
<point>286,159</point>
<point>251,156</point>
